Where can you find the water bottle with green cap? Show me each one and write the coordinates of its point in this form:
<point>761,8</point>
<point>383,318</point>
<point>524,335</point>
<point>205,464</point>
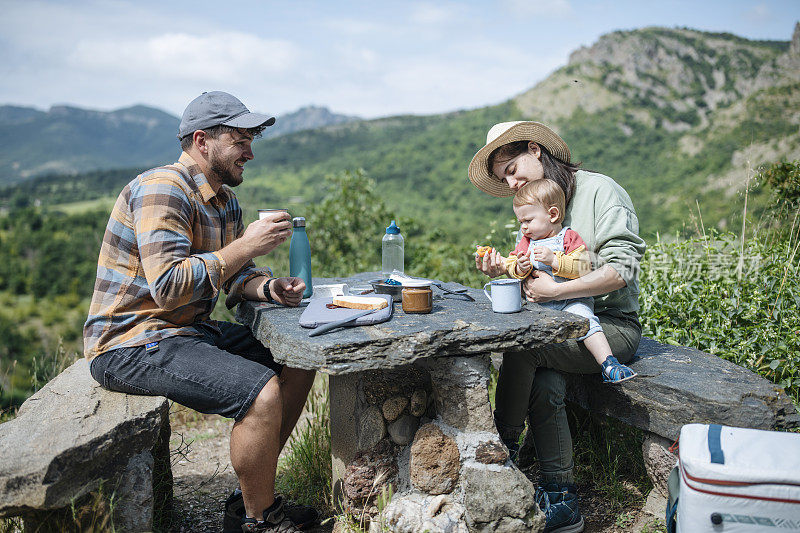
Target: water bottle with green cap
<point>300,254</point>
<point>392,251</point>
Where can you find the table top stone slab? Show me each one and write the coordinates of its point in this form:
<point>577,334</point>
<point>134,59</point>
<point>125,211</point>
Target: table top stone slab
<point>455,327</point>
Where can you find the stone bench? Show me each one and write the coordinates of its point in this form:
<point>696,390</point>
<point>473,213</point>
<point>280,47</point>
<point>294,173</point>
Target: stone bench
<point>676,386</point>
<point>71,437</point>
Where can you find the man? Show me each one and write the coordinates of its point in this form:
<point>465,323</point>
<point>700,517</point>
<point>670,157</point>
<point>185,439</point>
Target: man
<point>174,239</point>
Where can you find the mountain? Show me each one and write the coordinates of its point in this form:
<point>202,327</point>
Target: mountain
<point>69,139</point>
<point>679,117</point>
<point>306,118</point>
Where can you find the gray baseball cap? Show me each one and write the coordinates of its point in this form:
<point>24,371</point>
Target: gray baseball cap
<point>215,108</point>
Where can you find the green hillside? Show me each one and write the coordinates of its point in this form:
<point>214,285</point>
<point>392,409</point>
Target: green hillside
<point>69,140</point>
<point>419,164</point>
<point>676,116</point>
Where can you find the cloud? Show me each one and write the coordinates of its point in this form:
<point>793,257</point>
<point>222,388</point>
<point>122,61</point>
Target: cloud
<point>352,27</point>
<point>431,14</point>
<point>353,58</point>
<point>217,57</point>
<point>544,8</point>
<point>758,13</point>
<point>427,85</point>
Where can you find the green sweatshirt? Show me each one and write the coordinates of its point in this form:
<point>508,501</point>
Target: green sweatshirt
<point>602,213</point>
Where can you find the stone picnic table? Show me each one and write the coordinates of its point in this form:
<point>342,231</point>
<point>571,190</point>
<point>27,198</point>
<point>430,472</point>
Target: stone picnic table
<point>409,405</point>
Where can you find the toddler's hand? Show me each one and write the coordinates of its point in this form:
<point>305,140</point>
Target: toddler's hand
<point>543,255</point>
<point>524,262</point>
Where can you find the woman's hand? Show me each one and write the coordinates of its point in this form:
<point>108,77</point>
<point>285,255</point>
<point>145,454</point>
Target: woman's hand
<point>492,264</point>
<point>539,287</point>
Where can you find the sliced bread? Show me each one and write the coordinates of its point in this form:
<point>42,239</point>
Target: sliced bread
<point>360,302</point>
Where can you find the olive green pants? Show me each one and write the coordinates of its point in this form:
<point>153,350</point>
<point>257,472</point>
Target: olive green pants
<point>531,384</point>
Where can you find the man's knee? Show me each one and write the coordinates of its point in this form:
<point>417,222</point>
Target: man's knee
<point>269,401</point>
<point>298,376</point>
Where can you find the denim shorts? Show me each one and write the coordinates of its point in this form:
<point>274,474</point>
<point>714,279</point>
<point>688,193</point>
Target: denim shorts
<point>220,371</point>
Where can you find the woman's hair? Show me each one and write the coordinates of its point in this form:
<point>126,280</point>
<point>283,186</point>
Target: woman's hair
<point>546,193</point>
<point>554,169</point>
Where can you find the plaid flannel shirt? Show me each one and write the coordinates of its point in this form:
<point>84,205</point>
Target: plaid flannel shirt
<point>159,271</point>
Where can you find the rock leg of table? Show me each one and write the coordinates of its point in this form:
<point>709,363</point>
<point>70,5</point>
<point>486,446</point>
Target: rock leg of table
<point>427,430</point>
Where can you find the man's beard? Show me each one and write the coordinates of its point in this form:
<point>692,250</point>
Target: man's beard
<point>223,172</point>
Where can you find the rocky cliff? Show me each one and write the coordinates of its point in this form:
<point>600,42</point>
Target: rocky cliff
<point>676,113</point>
<point>679,71</point>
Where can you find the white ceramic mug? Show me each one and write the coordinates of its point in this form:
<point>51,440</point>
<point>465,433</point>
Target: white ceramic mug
<point>263,213</point>
<point>506,296</point>
<point>330,290</point>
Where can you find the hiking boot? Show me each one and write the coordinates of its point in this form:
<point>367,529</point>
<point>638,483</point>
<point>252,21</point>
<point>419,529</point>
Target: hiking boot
<point>303,516</point>
<point>275,521</point>
<point>559,503</point>
<point>615,372</point>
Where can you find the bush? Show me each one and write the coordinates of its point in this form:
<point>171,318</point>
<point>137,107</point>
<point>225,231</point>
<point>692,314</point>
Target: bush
<point>784,179</point>
<point>735,299</point>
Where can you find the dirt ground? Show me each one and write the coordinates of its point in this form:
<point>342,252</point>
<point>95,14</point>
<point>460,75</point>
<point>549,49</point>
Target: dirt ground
<point>202,472</point>
<point>203,478</point>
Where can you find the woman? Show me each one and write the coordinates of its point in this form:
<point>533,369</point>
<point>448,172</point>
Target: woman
<point>601,212</point>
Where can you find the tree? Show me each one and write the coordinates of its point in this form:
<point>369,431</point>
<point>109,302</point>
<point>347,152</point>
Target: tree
<point>348,225</point>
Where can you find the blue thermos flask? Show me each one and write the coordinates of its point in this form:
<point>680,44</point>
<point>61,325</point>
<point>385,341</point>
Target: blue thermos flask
<point>300,254</point>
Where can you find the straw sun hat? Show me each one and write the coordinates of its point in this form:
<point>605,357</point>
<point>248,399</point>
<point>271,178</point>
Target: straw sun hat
<point>509,132</point>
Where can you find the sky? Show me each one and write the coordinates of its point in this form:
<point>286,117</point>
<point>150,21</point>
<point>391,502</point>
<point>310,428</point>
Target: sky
<point>370,59</point>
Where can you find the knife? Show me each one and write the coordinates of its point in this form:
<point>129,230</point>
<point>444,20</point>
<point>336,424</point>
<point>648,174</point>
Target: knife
<point>343,322</point>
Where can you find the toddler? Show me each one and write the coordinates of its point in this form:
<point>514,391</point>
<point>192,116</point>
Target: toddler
<point>559,251</point>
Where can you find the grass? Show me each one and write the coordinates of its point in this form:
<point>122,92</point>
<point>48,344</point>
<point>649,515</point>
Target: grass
<point>11,525</point>
<point>72,208</point>
<point>360,521</point>
<point>656,526</point>
<point>39,337</point>
<point>609,462</point>
<point>7,414</point>
<point>43,369</point>
<point>304,471</point>
<point>92,513</point>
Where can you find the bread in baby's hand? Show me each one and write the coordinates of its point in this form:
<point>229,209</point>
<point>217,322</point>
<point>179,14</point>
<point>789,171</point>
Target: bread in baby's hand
<point>482,250</point>
<point>360,302</point>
